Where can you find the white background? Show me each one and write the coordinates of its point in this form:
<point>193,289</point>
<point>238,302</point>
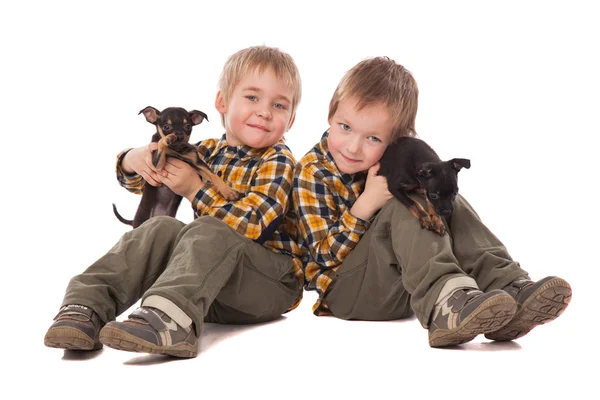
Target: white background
<point>514,86</point>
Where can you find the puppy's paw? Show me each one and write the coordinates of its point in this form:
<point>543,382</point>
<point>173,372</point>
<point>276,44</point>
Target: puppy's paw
<point>425,221</point>
<point>231,194</point>
<point>170,139</point>
<point>437,225</point>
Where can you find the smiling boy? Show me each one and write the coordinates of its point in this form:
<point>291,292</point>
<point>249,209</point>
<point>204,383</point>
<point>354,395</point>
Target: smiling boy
<point>365,253</point>
<point>237,263</point>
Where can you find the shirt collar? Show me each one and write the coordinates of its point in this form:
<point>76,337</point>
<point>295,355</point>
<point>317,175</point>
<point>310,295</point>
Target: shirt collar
<point>241,152</point>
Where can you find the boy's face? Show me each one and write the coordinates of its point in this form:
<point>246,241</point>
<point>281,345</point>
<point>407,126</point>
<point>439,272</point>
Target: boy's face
<point>258,111</point>
<point>358,138</point>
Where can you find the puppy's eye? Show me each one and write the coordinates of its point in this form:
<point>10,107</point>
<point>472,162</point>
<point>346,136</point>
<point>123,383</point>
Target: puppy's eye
<point>434,196</point>
<point>187,127</point>
<point>166,128</point>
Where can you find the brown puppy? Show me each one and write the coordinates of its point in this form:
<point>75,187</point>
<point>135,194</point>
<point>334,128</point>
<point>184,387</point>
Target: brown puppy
<point>410,164</point>
<point>173,130</point>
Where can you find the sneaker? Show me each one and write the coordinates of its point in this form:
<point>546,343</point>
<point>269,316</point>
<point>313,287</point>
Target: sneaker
<point>467,313</point>
<point>537,303</point>
<point>149,330</point>
<point>75,327</point>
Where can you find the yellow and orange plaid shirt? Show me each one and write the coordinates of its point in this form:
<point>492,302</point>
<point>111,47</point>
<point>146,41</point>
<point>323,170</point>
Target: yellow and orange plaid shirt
<point>264,177</point>
<point>323,197</point>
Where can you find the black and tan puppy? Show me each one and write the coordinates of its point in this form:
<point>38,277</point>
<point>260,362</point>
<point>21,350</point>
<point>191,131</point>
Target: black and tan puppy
<point>410,164</point>
<point>173,130</point>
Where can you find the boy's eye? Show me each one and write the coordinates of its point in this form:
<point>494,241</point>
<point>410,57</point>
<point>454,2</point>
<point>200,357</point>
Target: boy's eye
<point>345,127</point>
<point>374,139</point>
<point>279,106</point>
<point>251,98</point>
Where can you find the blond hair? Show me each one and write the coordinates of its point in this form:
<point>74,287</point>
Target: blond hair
<point>381,80</point>
<point>260,58</point>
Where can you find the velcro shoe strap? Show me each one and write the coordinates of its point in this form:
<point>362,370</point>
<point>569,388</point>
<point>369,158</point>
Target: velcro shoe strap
<point>151,317</point>
<point>75,309</point>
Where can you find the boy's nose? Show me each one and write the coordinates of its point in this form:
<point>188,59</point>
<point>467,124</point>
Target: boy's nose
<point>264,113</point>
<point>353,146</point>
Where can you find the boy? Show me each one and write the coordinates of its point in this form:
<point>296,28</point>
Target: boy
<point>366,254</point>
<point>236,263</point>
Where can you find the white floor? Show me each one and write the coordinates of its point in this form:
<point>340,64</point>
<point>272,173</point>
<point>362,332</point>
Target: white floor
<point>514,87</point>
<point>301,356</point>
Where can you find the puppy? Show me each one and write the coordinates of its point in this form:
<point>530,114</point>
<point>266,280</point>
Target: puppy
<point>173,130</point>
<point>410,164</point>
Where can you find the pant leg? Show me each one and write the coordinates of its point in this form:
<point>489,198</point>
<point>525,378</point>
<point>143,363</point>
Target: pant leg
<point>396,267</point>
<point>119,278</point>
<point>478,251</point>
<point>212,263</point>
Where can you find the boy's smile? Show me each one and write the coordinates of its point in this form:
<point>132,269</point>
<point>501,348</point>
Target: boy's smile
<point>358,138</point>
<point>258,111</point>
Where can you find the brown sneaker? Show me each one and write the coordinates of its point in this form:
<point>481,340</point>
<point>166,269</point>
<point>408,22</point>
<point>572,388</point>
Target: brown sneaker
<point>467,313</point>
<point>75,327</point>
<point>537,303</point>
<point>149,330</point>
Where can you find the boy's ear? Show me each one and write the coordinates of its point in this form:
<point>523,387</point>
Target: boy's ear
<point>291,122</point>
<point>220,103</point>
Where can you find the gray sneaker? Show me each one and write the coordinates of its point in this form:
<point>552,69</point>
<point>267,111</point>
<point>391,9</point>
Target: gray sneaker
<point>75,327</point>
<point>149,330</point>
<point>467,313</point>
<point>537,303</point>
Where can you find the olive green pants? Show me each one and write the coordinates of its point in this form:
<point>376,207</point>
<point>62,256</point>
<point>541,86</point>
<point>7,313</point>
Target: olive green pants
<point>398,269</point>
<point>203,271</point>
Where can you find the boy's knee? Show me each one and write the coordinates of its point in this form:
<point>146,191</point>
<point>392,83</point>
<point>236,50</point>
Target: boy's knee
<point>215,226</point>
<point>165,223</point>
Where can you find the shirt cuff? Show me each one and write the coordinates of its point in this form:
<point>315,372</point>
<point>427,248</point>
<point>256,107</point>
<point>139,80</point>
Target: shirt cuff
<point>122,175</point>
<point>354,224</point>
<point>205,198</point>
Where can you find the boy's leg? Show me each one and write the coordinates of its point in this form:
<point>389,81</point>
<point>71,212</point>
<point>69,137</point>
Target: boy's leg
<point>211,265</point>
<point>112,284</point>
<point>368,285</point>
<point>399,261</point>
<point>478,251</point>
<point>485,258</point>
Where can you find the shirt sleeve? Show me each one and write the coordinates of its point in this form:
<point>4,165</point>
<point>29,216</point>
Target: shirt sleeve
<point>261,210</point>
<point>132,182</point>
<point>329,233</point>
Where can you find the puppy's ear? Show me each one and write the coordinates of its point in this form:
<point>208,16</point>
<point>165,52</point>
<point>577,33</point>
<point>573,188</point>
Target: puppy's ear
<point>150,113</point>
<point>197,117</point>
<point>424,171</point>
<point>459,163</point>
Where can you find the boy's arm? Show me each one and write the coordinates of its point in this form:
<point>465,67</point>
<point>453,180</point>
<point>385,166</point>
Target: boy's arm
<point>134,168</point>
<point>132,182</point>
<point>329,234</point>
<point>258,214</point>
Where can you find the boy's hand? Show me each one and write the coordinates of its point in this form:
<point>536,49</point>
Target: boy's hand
<point>139,161</point>
<point>375,195</point>
<point>181,178</point>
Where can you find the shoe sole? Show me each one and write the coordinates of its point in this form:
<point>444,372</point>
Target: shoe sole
<point>117,339</point>
<point>544,305</point>
<point>490,316</point>
<point>70,339</point>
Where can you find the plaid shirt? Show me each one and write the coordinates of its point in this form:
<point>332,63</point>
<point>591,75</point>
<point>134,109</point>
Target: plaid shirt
<point>323,197</point>
<point>264,176</point>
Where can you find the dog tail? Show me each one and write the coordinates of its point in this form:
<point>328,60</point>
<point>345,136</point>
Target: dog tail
<point>123,220</point>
